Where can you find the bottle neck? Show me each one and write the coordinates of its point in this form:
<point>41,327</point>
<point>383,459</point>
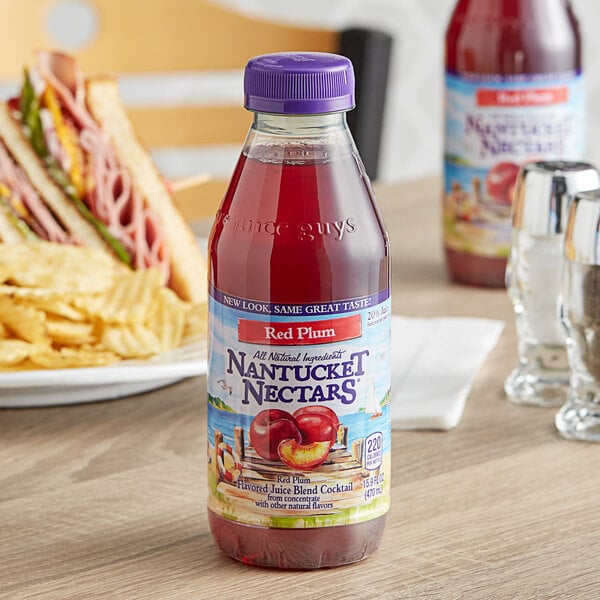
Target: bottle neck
<point>303,126</point>
<point>279,138</point>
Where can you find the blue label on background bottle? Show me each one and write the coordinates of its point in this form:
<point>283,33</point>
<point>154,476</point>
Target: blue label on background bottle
<point>493,125</point>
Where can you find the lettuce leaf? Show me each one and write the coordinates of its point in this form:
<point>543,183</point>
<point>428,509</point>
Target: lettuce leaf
<point>30,116</point>
<point>29,105</point>
<point>21,225</point>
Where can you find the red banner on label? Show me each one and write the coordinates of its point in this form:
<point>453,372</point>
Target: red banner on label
<point>534,97</point>
<point>304,333</point>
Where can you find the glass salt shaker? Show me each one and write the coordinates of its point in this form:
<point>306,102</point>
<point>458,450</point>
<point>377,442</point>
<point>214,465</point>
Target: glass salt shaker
<point>543,192</point>
<point>579,418</point>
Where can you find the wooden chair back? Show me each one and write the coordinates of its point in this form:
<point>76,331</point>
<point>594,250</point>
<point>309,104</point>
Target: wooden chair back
<point>133,38</point>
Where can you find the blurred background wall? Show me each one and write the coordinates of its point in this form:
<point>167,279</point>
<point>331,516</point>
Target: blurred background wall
<point>412,141</point>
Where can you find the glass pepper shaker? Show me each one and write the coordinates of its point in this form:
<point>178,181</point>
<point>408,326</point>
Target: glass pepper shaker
<point>543,192</point>
<point>579,417</point>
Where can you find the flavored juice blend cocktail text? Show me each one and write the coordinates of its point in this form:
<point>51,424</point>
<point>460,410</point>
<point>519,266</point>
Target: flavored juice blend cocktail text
<point>299,348</point>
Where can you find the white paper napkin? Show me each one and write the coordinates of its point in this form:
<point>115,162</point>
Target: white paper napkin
<point>434,363</point>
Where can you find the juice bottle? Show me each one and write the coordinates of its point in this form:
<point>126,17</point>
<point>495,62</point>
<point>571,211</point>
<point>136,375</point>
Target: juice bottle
<point>299,330</point>
<point>514,93</point>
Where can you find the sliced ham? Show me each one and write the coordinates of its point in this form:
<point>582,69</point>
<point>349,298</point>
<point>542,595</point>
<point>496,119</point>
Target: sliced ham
<point>42,221</point>
<point>61,73</point>
<point>111,195</point>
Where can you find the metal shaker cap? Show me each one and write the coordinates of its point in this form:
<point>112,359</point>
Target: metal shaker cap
<point>543,193</point>
<point>582,236</point>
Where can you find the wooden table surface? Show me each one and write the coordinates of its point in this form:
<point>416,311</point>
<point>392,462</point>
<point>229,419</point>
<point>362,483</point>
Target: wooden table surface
<point>107,500</point>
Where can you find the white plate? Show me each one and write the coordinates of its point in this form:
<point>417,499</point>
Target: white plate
<point>70,386</point>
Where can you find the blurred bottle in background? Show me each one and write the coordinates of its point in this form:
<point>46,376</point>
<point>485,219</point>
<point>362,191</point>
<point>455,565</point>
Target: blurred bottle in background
<point>514,92</point>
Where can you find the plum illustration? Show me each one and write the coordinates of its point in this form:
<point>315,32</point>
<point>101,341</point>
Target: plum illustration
<point>500,182</point>
<point>303,456</point>
<point>316,427</point>
<point>268,428</point>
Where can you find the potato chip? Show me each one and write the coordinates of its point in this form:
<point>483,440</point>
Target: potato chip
<point>13,291</point>
<point>59,267</point>
<point>130,341</point>
<point>168,319</point>
<point>55,306</point>
<point>24,365</point>
<point>25,322</point>
<point>65,307</point>
<point>129,300</point>
<point>70,358</point>
<point>63,331</point>
<point>12,352</point>
<point>88,304</point>
<point>4,273</point>
<point>196,321</point>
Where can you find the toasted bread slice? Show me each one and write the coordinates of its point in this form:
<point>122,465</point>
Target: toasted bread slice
<point>9,233</point>
<point>188,266</point>
<point>56,200</point>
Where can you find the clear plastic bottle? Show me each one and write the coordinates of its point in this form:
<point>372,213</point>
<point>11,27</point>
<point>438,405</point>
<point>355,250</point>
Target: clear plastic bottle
<point>514,93</point>
<point>299,330</point>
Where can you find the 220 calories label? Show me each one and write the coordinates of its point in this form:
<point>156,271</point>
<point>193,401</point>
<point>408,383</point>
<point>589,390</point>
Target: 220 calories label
<point>298,410</point>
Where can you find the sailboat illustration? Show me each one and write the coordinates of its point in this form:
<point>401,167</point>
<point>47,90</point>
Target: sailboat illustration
<point>372,406</point>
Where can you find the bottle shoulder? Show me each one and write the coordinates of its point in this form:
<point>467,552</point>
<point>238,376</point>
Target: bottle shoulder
<point>513,38</point>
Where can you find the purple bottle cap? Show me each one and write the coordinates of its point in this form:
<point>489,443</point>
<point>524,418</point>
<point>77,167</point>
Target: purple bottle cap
<point>299,83</point>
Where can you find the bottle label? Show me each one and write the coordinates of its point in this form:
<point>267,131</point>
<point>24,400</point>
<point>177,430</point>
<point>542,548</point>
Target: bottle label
<point>298,411</point>
<point>493,125</point>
